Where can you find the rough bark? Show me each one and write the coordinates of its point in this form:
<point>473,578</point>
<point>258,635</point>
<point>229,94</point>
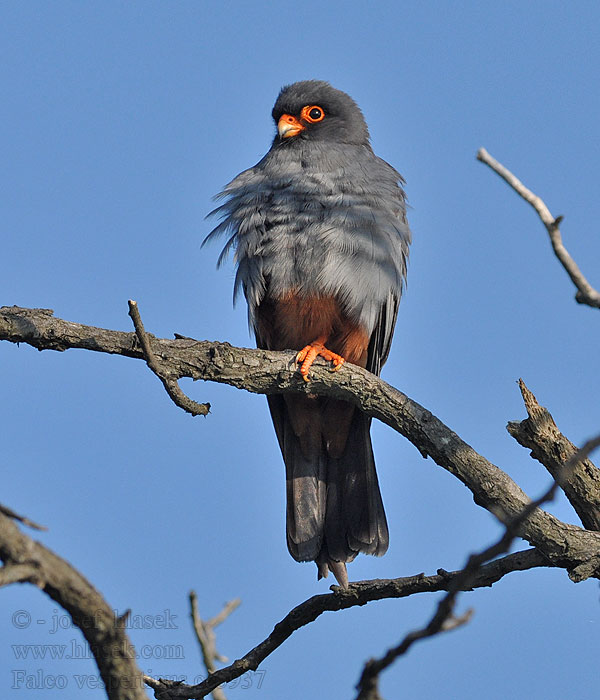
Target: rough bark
<point>29,561</point>
<point>549,446</point>
<point>264,372</point>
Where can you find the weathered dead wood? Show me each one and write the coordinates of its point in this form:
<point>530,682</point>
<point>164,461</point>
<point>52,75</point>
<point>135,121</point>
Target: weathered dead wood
<point>549,446</point>
<point>28,561</point>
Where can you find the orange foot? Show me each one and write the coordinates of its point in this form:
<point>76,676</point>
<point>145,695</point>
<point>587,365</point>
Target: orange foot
<point>309,354</point>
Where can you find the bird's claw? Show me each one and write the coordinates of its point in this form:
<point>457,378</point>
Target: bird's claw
<point>309,354</point>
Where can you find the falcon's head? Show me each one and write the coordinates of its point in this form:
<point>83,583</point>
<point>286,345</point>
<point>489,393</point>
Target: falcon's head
<point>313,110</point>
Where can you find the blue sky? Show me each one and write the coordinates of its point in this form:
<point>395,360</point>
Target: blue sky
<point>120,121</point>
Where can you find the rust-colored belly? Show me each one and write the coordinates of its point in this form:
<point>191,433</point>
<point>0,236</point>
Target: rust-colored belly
<point>293,321</point>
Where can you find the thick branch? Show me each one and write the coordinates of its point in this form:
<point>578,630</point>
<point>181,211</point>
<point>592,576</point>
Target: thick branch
<point>586,294</point>
<point>106,636</point>
<point>549,446</point>
<point>264,372</point>
<point>18,573</point>
<point>359,593</point>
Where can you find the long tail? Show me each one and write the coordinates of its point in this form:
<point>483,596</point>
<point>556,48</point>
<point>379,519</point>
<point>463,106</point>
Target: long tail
<point>334,506</point>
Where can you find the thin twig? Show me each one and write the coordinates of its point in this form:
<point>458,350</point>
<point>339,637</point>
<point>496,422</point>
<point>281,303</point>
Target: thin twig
<point>205,634</point>
<point>586,294</point>
<point>10,513</point>
<point>171,386</point>
<point>228,608</point>
<point>442,621</point>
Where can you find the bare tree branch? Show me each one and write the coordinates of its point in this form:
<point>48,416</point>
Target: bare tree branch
<point>205,633</point>
<point>228,608</point>
<point>21,518</point>
<point>266,372</point>
<point>549,446</point>
<point>170,383</point>
<point>586,294</point>
<point>443,618</point>
<point>556,543</point>
<point>18,573</point>
<point>106,635</point>
<point>442,621</point>
<point>357,594</point>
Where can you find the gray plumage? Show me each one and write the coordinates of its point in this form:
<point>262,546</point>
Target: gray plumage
<point>321,216</point>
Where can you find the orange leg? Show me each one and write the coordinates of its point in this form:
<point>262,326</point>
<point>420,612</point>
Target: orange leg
<point>309,354</point>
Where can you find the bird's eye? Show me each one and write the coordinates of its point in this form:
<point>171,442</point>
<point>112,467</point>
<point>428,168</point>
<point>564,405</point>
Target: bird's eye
<point>312,114</point>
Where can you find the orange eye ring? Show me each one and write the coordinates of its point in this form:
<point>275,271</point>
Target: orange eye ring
<point>312,114</point>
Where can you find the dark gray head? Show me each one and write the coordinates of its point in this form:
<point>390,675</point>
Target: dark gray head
<point>313,110</point>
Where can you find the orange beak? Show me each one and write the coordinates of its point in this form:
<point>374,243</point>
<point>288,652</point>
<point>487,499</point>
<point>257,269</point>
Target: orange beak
<point>289,126</point>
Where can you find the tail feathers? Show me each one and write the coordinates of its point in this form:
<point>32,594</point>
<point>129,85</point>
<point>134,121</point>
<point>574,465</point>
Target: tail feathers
<point>334,506</point>
<point>355,520</point>
<point>306,485</point>
<point>306,498</point>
